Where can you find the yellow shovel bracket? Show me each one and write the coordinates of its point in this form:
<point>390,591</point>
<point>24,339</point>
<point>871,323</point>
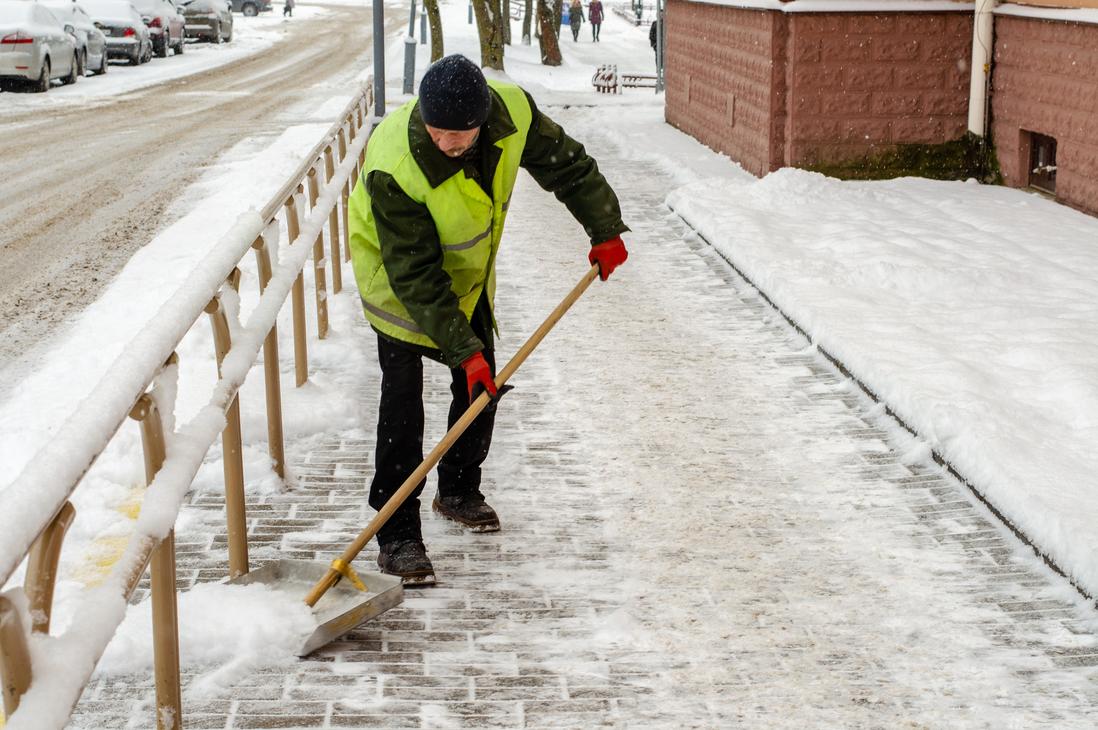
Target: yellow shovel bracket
<point>344,568</point>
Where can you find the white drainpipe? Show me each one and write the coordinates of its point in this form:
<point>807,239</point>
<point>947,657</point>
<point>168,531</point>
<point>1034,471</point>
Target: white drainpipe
<point>981,66</point>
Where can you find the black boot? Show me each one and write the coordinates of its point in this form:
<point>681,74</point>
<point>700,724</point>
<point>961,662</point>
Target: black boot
<point>469,509</point>
<point>407,559</point>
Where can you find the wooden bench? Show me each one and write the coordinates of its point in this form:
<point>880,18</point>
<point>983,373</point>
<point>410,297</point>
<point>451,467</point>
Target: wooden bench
<point>608,80</point>
<point>638,81</point>
<point>605,79</point>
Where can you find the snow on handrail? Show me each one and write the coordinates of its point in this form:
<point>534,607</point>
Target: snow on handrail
<point>59,667</point>
<point>59,682</point>
<point>47,481</point>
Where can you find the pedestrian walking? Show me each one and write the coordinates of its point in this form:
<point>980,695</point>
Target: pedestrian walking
<point>288,8</point>
<point>594,17</point>
<point>426,220</point>
<point>575,18</point>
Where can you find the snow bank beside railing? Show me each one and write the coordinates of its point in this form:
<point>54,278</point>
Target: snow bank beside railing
<point>49,478</point>
<point>64,664</point>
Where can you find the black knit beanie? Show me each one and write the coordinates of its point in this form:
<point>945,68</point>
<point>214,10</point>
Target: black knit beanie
<point>453,94</point>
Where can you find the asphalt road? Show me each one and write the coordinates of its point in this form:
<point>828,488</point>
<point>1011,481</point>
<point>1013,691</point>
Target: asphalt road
<point>87,186</point>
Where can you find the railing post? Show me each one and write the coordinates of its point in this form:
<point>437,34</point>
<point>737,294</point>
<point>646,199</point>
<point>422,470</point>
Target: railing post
<point>15,664</point>
<point>165,619</point>
<point>320,274</point>
<point>272,379</point>
<point>410,52</point>
<point>661,44</point>
<point>301,350</point>
<point>347,188</point>
<point>333,226</point>
<point>378,35</point>
<point>232,456</point>
<point>42,568</point>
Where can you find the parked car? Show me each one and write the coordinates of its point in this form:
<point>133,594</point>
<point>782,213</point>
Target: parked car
<point>35,46</point>
<point>127,35</point>
<point>211,20</point>
<point>166,25</point>
<point>91,43</point>
<point>251,8</point>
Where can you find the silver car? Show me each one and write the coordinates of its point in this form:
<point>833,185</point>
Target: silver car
<point>127,35</point>
<point>210,20</point>
<point>91,44</point>
<point>35,46</point>
<point>166,25</point>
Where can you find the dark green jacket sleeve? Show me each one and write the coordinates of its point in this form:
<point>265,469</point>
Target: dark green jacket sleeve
<point>412,255</point>
<point>562,166</point>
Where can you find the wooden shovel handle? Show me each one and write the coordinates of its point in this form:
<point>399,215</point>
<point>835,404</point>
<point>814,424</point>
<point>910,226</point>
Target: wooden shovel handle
<point>331,577</point>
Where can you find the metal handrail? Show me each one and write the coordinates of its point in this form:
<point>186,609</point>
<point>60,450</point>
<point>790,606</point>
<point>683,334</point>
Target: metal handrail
<point>36,527</point>
<point>19,528</point>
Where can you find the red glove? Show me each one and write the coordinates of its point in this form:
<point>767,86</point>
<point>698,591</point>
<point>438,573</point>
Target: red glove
<point>608,255</point>
<point>477,373</point>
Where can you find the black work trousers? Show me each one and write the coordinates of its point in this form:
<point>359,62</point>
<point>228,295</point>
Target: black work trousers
<point>400,438</point>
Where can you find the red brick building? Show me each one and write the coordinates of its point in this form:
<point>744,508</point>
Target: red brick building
<point>818,83</point>
<point>1044,100</point>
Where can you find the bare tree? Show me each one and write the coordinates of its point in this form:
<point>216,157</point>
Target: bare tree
<point>558,15</point>
<point>526,22</point>
<point>547,38</point>
<point>436,29</point>
<point>490,30</point>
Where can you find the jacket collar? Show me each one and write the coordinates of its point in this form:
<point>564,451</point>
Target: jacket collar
<point>437,167</point>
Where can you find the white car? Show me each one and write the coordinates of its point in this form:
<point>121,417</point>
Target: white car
<point>35,46</point>
<point>91,44</point>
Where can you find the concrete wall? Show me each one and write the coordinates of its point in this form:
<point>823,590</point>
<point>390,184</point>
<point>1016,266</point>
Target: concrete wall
<point>721,86</point>
<point>1045,80</point>
<point>859,82</point>
<point>772,89</point>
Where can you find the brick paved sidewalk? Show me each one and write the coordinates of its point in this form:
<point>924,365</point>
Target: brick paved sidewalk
<point>704,527</point>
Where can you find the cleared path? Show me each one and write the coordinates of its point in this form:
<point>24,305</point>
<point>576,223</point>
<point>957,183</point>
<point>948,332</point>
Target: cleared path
<point>704,527</point>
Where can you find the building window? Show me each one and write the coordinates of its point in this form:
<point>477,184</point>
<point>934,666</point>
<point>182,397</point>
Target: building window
<point>1042,162</point>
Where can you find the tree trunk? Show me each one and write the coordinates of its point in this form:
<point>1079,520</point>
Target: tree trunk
<point>491,38</point>
<point>435,21</point>
<point>505,21</point>
<point>558,16</point>
<point>526,22</point>
<point>547,41</point>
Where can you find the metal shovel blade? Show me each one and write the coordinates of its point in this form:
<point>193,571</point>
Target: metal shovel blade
<point>342,608</point>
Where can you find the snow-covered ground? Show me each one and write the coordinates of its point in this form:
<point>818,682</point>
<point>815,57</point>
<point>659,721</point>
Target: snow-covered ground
<point>969,309</point>
<point>250,36</point>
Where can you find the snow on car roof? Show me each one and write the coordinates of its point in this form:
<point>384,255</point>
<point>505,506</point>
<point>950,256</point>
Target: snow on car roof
<point>14,12</point>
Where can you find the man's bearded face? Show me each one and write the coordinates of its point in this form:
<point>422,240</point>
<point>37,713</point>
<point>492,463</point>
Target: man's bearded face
<point>453,143</point>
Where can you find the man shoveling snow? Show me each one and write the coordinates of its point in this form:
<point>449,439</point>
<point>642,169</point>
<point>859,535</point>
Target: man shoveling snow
<point>426,219</point>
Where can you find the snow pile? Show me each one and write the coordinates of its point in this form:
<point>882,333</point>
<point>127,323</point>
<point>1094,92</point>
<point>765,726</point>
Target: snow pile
<point>971,310</point>
<point>231,627</point>
<point>100,610</point>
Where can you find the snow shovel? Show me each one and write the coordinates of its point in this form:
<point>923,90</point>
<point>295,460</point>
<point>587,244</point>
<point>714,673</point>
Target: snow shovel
<point>341,566</point>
